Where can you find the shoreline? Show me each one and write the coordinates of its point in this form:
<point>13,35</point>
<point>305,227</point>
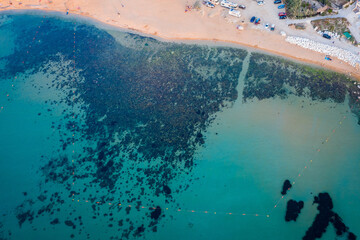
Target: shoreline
<point>276,45</point>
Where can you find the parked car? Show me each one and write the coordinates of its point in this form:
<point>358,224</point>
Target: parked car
<point>277,1</point>
<point>252,19</point>
<point>227,4</point>
<point>267,25</point>
<point>208,4</point>
<point>272,28</point>
<point>257,21</point>
<point>327,36</point>
<point>281,6</point>
<point>282,17</point>
<point>242,6</point>
<point>282,14</point>
<point>260,3</point>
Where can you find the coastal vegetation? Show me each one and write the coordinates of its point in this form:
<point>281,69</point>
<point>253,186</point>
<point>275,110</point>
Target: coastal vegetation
<point>303,9</point>
<point>335,3</point>
<point>298,9</point>
<point>334,25</point>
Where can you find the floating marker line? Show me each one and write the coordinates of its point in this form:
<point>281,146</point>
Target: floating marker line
<point>176,210</point>
<point>317,151</point>
<point>73,107</point>
<point>7,94</point>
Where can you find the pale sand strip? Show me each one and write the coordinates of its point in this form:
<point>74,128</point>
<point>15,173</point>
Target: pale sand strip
<point>168,20</point>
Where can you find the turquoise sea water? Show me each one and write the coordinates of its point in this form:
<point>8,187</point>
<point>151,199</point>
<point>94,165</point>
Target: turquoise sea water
<point>224,183</point>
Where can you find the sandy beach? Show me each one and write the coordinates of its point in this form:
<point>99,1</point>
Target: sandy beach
<point>169,20</point>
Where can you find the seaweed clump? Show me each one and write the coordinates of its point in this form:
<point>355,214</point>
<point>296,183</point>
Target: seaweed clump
<point>324,217</point>
<point>286,186</point>
<point>270,76</point>
<point>293,210</point>
<point>143,111</point>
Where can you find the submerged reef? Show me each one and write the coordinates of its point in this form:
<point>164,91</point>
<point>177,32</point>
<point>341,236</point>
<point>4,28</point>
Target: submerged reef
<point>270,76</point>
<point>324,217</point>
<point>143,107</point>
<point>293,209</point>
<point>286,187</point>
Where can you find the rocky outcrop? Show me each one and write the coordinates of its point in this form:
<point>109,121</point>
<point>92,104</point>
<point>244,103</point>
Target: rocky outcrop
<point>333,51</point>
<point>286,186</point>
<point>325,216</point>
<point>293,210</point>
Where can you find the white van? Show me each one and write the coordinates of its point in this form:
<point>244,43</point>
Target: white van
<point>234,13</point>
<point>227,4</point>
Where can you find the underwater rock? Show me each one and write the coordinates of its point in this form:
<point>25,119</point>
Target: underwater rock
<point>70,224</point>
<point>324,217</point>
<point>286,186</point>
<point>42,198</point>
<point>351,236</point>
<point>293,210</point>
<point>55,221</point>
<point>167,190</point>
<point>22,217</point>
<point>324,202</point>
<point>139,231</point>
<point>156,213</point>
<point>127,209</point>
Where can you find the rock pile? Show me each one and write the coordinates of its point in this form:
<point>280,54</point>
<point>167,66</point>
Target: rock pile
<point>339,53</point>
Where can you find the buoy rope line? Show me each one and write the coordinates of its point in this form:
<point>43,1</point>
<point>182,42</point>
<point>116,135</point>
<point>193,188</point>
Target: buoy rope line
<point>317,151</point>
<point>7,93</point>
<point>73,108</point>
<point>176,210</point>
<point>267,215</point>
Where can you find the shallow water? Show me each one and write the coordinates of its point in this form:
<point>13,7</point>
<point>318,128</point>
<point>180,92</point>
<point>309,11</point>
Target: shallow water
<point>225,168</point>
